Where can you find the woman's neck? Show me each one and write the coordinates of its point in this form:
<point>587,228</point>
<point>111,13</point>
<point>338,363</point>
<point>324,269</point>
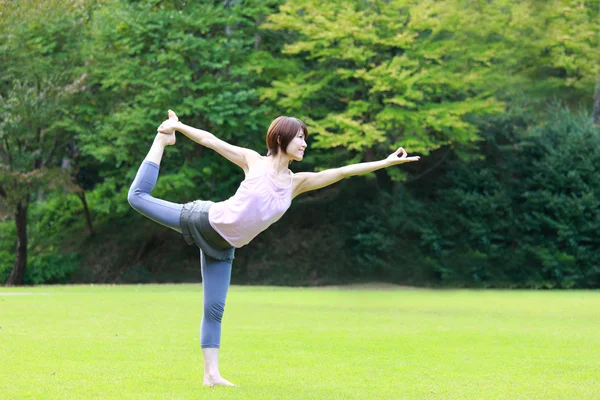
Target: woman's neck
<point>278,163</point>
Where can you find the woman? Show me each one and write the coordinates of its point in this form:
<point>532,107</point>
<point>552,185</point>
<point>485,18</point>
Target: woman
<point>218,228</point>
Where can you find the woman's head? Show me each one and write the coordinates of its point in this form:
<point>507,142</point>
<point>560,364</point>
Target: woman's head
<point>282,132</point>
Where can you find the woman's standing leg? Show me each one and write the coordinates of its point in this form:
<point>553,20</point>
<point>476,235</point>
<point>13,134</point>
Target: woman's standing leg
<point>216,275</point>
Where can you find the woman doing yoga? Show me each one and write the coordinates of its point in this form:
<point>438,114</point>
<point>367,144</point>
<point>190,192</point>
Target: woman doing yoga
<point>218,228</point>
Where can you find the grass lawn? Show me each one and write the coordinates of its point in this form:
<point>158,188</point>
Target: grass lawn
<point>141,342</point>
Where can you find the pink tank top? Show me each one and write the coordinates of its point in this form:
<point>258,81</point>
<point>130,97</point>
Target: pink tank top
<point>256,205</point>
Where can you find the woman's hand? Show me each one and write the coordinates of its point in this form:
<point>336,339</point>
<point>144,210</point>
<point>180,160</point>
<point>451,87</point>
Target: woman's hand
<point>400,157</point>
<point>169,125</point>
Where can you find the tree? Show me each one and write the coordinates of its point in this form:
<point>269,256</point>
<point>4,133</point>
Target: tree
<point>372,74</point>
<point>38,47</point>
<point>192,57</point>
<point>383,74</point>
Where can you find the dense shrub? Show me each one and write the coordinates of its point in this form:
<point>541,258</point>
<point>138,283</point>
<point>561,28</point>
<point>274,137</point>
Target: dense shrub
<point>525,214</point>
<point>7,248</point>
<point>557,195</point>
<point>51,267</point>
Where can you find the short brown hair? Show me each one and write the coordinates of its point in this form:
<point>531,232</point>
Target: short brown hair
<point>285,128</point>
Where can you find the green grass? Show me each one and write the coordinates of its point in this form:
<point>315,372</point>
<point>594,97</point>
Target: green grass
<point>141,342</point>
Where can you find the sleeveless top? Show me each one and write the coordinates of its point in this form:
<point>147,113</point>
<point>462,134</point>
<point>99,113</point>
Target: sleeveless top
<point>257,204</point>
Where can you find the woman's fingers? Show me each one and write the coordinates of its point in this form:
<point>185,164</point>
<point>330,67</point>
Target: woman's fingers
<point>172,115</point>
<point>401,151</point>
<point>400,156</point>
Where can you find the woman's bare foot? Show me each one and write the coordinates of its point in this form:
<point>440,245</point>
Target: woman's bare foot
<point>166,139</point>
<point>166,130</point>
<point>216,381</point>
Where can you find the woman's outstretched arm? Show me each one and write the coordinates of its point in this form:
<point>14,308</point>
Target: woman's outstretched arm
<point>316,180</point>
<point>240,156</point>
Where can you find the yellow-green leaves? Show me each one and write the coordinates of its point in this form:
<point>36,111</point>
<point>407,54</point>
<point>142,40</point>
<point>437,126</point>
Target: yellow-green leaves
<point>409,71</point>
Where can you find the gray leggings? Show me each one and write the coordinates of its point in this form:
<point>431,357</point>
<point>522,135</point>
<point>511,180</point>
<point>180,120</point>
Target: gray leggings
<point>216,274</point>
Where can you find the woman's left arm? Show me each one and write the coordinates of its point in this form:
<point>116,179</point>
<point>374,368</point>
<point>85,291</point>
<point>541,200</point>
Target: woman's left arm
<point>308,181</point>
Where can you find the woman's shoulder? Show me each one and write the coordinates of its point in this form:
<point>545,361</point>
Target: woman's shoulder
<point>258,160</point>
<point>256,165</point>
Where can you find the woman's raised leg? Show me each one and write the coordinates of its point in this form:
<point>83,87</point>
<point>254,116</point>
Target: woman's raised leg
<point>161,211</point>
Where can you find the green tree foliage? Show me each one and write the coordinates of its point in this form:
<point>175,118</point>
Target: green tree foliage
<point>384,74</point>
<point>147,57</point>
<point>553,48</point>
<point>559,199</point>
<point>84,84</point>
<point>407,72</point>
<point>523,216</point>
<point>38,51</point>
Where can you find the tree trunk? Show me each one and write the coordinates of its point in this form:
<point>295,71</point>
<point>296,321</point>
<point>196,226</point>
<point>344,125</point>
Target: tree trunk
<point>16,276</point>
<point>226,4</point>
<point>86,210</point>
<point>257,41</point>
<point>597,103</point>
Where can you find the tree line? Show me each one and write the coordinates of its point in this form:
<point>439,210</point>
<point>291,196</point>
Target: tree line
<point>496,96</point>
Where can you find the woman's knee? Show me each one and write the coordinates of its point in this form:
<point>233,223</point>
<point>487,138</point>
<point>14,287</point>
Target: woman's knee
<point>213,310</point>
<point>134,197</point>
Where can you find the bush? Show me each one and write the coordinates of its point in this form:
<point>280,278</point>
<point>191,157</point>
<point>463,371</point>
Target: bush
<point>527,214</point>
<point>50,268</point>
<point>7,249</point>
<point>557,195</point>
<point>7,261</point>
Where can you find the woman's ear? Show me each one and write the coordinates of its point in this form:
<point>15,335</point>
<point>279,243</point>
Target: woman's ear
<point>279,140</point>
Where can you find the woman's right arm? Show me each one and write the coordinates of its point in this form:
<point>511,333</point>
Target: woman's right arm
<point>240,156</point>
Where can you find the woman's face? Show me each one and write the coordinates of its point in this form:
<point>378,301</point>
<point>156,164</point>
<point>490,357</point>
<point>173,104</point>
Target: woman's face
<point>295,149</point>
